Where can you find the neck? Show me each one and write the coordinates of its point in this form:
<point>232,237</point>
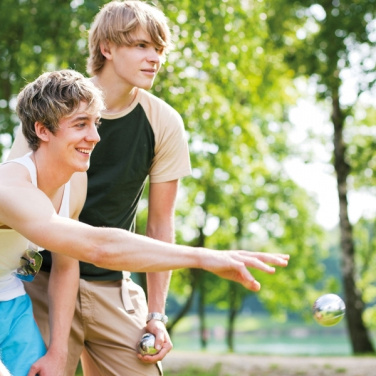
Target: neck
<point>50,175</point>
<point>118,96</point>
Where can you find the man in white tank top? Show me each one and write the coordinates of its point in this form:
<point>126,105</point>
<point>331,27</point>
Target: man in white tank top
<point>59,113</point>
<point>73,105</point>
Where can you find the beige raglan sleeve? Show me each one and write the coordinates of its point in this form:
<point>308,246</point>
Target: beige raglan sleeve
<point>171,159</point>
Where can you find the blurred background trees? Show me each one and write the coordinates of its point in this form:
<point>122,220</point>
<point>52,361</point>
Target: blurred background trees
<point>234,75</point>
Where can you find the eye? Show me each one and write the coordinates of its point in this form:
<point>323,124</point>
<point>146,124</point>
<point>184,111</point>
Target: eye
<point>98,123</point>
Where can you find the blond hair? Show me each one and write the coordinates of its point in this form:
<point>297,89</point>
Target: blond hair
<point>118,21</point>
<point>53,96</point>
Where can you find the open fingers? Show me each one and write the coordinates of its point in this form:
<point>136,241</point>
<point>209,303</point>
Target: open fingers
<point>277,259</point>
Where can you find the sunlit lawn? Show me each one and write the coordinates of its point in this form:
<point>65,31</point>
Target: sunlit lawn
<point>263,335</point>
<point>259,335</point>
<point>191,371</point>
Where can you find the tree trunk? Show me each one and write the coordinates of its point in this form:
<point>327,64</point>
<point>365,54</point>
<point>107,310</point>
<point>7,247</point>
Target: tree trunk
<point>359,336</point>
<point>188,304</point>
<point>201,314</point>
<point>232,313</point>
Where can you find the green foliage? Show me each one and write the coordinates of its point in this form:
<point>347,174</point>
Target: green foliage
<point>366,263</point>
<point>38,36</point>
<point>230,85</point>
<point>230,78</point>
<point>328,42</point>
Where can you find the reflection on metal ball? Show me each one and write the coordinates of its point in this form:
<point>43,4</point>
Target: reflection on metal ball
<point>329,309</point>
<point>146,345</point>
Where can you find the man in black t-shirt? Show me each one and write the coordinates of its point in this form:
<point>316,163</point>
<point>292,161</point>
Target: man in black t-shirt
<point>142,137</point>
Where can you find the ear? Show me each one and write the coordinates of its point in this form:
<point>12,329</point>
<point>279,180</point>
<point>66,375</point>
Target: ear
<point>41,131</point>
<point>106,49</point>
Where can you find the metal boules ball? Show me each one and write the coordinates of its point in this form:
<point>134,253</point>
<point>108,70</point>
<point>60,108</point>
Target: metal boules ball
<point>329,309</point>
<point>146,345</point>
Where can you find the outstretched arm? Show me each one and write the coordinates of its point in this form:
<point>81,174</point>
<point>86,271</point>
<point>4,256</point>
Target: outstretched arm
<point>27,210</point>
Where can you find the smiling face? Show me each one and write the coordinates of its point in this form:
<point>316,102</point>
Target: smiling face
<point>74,140</point>
<point>54,97</point>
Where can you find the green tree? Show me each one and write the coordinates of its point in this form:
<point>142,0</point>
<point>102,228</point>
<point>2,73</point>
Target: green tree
<point>319,39</point>
<point>232,89</point>
<point>38,36</point>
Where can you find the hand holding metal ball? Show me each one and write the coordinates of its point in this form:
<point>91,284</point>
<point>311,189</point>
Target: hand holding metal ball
<point>146,345</point>
<point>329,309</point>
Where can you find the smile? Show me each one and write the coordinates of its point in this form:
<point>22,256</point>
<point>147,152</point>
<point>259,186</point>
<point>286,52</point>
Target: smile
<point>85,151</point>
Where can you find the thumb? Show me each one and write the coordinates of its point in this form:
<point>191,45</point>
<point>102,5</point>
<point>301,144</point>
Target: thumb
<point>249,281</point>
<point>34,369</point>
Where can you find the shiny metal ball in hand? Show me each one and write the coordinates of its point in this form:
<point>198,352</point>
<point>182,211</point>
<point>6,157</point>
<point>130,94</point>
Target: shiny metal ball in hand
<point>329,309</point>
<point>146,345</point>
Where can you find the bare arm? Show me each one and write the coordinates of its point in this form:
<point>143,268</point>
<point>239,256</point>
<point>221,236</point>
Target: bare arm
<point>28,210</point>
<point>160,226</point>
<point>162,197</point>
<point>62,294</point>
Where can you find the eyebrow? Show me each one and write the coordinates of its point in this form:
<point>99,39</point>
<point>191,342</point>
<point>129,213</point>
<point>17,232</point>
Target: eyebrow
<point>142,41</point>
<point>80,117</point>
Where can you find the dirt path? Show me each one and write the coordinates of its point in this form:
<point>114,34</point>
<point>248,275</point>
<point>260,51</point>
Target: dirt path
<point>255,365</point>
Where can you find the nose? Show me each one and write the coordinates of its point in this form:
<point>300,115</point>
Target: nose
<point>93,135</point>
<point>154,56</point>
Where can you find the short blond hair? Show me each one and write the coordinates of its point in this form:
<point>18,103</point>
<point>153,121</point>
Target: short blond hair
<point>53,96</point>
<point>118,21</point>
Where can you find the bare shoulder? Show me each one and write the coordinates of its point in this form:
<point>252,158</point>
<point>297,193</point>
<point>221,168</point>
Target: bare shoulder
<point>19,198</point>
<point>13,174</point>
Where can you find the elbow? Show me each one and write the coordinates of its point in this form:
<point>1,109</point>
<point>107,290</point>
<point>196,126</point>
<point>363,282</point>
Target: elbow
<point>98,256</point>
<point>103,248</point>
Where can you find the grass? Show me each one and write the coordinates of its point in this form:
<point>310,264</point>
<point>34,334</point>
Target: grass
<point>193,371</point>
<point>259,335</point>
<point>263,335</point>
<point>189,371</point>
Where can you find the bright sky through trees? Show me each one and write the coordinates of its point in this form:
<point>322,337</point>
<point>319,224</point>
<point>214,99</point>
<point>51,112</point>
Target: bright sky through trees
<point>318,177</point>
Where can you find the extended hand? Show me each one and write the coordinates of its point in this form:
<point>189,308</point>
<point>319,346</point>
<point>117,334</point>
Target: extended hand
<point>233,265</point>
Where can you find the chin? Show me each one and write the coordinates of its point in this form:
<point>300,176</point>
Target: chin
<point>82,168</point>
<point>147,86</point>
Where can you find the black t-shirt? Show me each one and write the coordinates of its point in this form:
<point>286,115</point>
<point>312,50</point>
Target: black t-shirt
<point>130,150</point>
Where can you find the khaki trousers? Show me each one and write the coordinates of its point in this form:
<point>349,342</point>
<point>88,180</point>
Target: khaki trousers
<point>108,322</point>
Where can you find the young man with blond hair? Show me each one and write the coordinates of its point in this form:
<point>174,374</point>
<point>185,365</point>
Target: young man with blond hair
<point>142,137</point>
<point>39,195</point>
<point>59,105</point>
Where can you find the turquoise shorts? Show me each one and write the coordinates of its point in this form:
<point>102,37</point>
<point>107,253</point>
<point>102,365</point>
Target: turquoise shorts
<point>21,343</point>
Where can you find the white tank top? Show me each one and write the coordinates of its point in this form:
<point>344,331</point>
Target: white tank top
<point>13,244</point>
